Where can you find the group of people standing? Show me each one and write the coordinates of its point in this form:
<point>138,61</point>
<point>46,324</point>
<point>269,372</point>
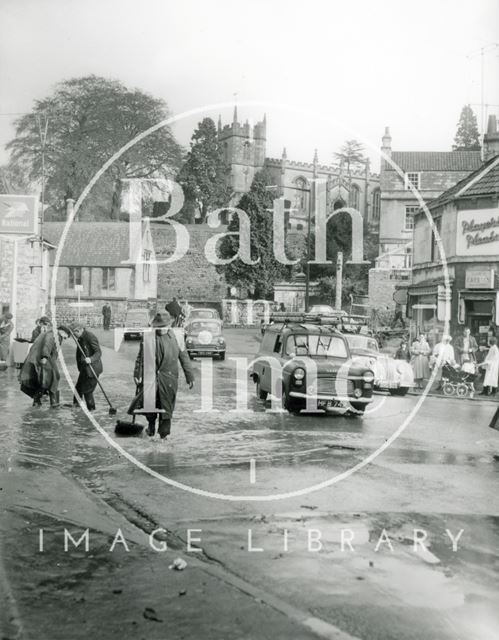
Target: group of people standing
<point>40,376</point>
<point>465,355</point>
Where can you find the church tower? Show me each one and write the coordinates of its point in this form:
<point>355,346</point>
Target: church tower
<point>244,151</point>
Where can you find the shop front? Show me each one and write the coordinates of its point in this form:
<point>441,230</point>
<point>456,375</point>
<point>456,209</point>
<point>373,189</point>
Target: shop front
<point>478,300</point>
<point>429,304</point>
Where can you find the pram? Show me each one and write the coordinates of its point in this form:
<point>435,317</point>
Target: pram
<point>458,382</point>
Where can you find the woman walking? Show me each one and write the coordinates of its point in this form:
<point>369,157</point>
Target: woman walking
<point>420,351</point>
<point>491,366</point>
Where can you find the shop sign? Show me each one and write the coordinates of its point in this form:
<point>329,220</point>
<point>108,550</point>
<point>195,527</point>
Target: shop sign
<point>483,279</point>
<point>477,232</point>
<point>18,214</point>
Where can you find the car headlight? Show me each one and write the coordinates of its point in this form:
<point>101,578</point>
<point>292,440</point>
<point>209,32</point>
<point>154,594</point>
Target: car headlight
<point>299,373</point>
<point>368,377</point>
<point>221,341</point>
<point>188,341</point>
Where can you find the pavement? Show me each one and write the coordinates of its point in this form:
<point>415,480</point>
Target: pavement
<point>258,565</point>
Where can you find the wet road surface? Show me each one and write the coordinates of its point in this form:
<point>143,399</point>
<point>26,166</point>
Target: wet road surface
<point>439,474</point>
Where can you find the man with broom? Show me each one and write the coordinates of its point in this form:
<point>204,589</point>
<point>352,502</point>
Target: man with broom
<point>89,363</point>
<point>168,353</point>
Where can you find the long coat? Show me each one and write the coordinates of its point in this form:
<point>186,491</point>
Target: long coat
<point>461,356</point>
<point>168,355</point>
<point>491,363</point>
<point>89,343</point>
<point>36,377</point>
<point>420,351</point>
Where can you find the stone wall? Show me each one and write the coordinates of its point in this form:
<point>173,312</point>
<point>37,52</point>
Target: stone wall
<point>92,316</point>
<point>382,284</point>
<point>191,277</point>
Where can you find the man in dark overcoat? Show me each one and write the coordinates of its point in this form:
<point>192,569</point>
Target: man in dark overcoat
<point>106,316</point>
<point>168,353</point>
<point>89,363</point>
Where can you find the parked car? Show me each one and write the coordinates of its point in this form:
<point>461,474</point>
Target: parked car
<point>204,338</point>
<point>321,310</point>
<point>298,347</point>
<point>390,374</point>
<point>204,314</point>
<point>135,319</point>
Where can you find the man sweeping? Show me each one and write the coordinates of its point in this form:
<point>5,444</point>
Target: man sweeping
<point>89,363</point>
<point>168,353</point>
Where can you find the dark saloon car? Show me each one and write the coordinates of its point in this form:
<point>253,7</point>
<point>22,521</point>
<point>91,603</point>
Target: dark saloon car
<point>309,364</point>
<point>204,338</point>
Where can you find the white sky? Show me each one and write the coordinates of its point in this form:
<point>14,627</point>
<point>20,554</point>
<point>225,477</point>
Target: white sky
<point>365,63</point>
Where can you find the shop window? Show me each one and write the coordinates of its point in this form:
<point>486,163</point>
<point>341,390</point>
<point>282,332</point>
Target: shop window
<point>412,179</point>
<point>109,279</point>
<point>74,277</point>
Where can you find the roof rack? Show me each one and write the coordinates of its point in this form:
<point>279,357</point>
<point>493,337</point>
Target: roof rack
<point>334,319</point>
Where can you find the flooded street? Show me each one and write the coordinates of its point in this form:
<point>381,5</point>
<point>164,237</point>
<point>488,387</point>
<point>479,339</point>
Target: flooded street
<point>237,484</point>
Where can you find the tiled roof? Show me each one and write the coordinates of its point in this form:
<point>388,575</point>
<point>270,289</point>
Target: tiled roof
<point>91,244</point>
<point>483,181</point>
<point>436,160</point>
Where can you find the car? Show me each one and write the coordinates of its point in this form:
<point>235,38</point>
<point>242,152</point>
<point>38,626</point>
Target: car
<point>293,352</point>
<point>395,376</point>
<point>321,310</point>
<point>135,319</point>
<point>204,338</point>
<point>203,313</point>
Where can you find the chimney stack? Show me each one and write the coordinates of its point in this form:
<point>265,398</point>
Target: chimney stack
<point>491,139</point>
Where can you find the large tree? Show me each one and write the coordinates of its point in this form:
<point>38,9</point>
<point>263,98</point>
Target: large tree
<point>467,135</point>
<point>259,278</point>
<point>203,175</point>
<point>87,120</point>
<point>351,154</point>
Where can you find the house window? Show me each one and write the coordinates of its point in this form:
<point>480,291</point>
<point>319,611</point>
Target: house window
<point>354,197</point>
<point>435,252</point>
<point>299,227</point>
<point>376,204</point>
<point>108,278</point>
<point>146,267</point>
<point>410,212</point>
<point>412,179</point>
<point>74,277</point>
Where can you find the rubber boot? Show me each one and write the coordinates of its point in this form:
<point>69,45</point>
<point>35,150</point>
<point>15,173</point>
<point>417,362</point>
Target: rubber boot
<point>164,428</point>
<point>54,400</point>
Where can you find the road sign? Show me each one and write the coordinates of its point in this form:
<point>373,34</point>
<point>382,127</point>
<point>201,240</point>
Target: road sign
<point>18,214</point>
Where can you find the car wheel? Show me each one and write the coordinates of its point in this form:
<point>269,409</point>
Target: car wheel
<point>262,395</point>
<point>293,405</point>
<point>222,356</point>
<point>393,392</point>
<point>402,391</point>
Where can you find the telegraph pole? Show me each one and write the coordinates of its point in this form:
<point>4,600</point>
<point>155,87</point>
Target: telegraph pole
<point>339,279</point>
<point>481,52</point>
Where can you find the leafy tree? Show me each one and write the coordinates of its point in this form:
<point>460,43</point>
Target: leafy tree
<point>259,278</point>
<point>351,154</point>
<point>89,119</point>
<point>202,176</point>
<point>467,135</point>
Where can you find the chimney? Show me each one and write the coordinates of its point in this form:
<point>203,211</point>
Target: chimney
<point>70,204</point>
<point>491,139</point>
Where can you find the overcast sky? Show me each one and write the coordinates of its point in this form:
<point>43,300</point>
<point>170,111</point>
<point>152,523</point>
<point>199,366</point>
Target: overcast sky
<point>363,64</point>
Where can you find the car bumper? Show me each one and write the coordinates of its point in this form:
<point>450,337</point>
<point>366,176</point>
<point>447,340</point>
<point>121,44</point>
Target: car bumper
<point>203,350</point>
<point>325,398</point>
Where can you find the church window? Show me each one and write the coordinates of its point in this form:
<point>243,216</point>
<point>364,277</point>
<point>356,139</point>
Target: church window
<point>246,150</point>
<point>301,194</point>
<point>376,204</point>
<point>354,196</point>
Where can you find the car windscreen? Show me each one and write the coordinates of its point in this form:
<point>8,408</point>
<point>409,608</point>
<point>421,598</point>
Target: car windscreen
<point>362,342</point>
<point>316,345</point>
<point>197,327</point>
<point>200,313</point>
<point>137,316</point>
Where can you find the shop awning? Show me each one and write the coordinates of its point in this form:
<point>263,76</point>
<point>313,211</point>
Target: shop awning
<point>478,295</point>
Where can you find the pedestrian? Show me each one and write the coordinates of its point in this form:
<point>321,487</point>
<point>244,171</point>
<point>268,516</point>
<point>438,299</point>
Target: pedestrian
<point>186,310</point>
<point>420,350</point>
<point>36,331</point>
<point>398,316</point>
<point>89,363</point>
<point>40,373</point>
<point>466,348</point>
<point>403,352</point>
<point>168,354</point>
<point>491,366</point>
<point>106,316</point>
<point>175,311</point>
<point>6,328</point>
<point>443,354</point>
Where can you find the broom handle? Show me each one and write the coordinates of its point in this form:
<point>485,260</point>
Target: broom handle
<point>92,370</point>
